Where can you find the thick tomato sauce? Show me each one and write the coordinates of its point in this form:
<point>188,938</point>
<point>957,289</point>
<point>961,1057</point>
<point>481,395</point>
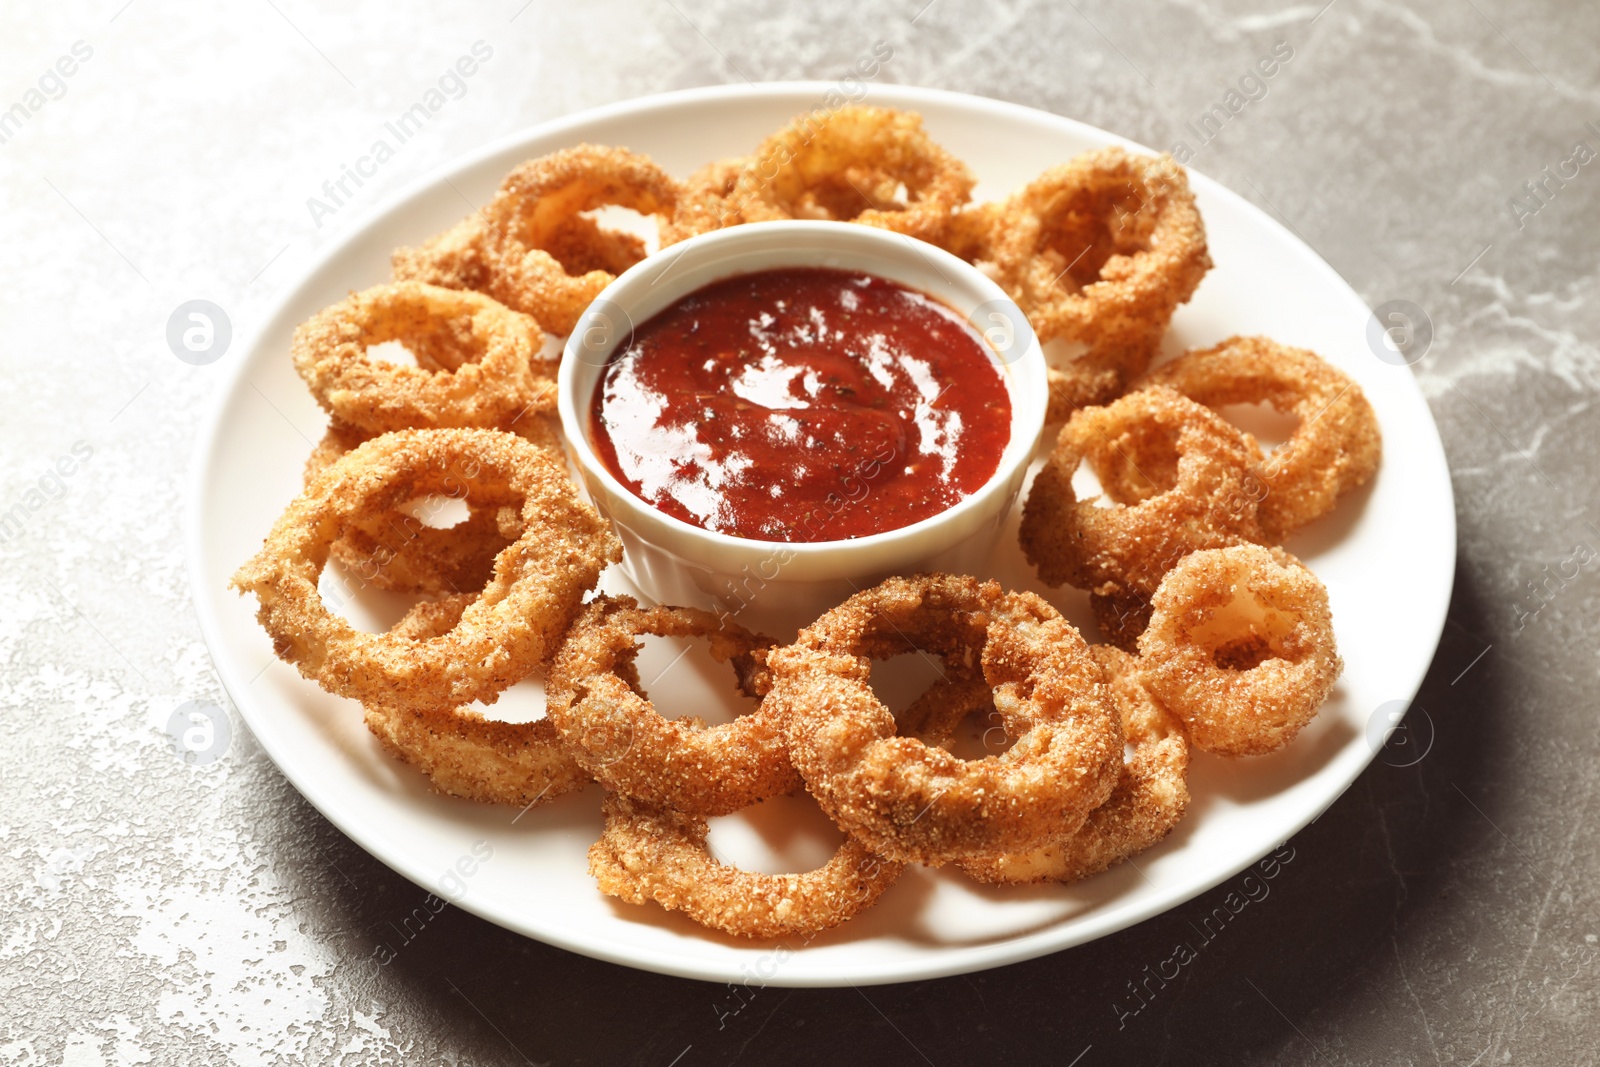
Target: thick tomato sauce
<point>802,404</point>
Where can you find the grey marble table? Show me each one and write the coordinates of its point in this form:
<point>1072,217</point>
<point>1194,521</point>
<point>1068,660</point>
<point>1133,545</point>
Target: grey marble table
<point>1443,911</point>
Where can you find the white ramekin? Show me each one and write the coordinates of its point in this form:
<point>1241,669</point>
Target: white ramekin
<point>771,586</point>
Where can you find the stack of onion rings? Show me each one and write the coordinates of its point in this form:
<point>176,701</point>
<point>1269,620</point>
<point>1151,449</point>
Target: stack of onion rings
<point>1335,448</point>
<point>397,550</point>
<point>653,851</point>
<point>911,801</point>
<point>1235,648</point>
<point>536,589</point>
<point>1191,467</point>
<point>1150,797</point>
<point>462,753</point>
<point>1098,251</point>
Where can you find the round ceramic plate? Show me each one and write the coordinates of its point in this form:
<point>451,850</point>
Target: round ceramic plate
<point>1387,556</point>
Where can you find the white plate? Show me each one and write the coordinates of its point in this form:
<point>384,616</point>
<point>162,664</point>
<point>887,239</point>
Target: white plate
<point>1387,556</point>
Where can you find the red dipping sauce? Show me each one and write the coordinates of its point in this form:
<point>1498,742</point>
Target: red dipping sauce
<point>802,404</point>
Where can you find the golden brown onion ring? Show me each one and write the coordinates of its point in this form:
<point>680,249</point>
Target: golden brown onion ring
<point>1098,251</point>
<point>621,737</point>
<point>876,166</point>
<point>462,753</point>
<point>1101,249</point>
<point>1336,447</point>
<point>398,551</point>
<point>539,580</point>
<point>914,802</point>
<point>1192,465</point>
<point>476,359</point>
<point>1240,647</point>
<point>533,249</point>
<point>656,854</point>
<point>1151,795</point>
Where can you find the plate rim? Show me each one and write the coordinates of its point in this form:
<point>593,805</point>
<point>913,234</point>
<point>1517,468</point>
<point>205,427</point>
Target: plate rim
<point>955,960</point>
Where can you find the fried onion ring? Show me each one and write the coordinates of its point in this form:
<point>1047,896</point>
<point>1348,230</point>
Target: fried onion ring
<point>619,735</point>
<point>398,551</point>
<point>1151,795</point>
<point>1240,647</point>
<point>477,360</point>
<point>1194,465</point>
<point>539,580</point>
<point>1101,249</point>
<point>533,249</point>
<point>872,165</point>
<point>462,753</point>
<point>657,854</point>
<point>1098,251</point>
<point>913,802</point>
<point>1336,447</point>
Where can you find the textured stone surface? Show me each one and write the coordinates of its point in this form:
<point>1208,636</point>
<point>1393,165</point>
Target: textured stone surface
<point>1441,912</point>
